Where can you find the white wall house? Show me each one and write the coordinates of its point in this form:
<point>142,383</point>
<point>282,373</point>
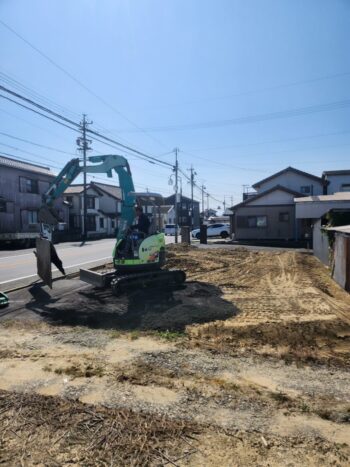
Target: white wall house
<point>269,214</point>
<point>337,180</point>
<point>103,208</point>
<point>293,179</point>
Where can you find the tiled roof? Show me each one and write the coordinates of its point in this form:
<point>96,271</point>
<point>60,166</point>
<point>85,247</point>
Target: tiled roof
<point>288,169</point>
<point>16,164</point>
<point>74,189</point>
<point>112,190</point>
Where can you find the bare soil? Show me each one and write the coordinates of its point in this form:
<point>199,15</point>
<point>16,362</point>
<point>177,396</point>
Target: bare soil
<point>247,365</point>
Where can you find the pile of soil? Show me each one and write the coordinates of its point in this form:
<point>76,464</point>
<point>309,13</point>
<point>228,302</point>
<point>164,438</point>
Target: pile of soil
<point>145,309</point>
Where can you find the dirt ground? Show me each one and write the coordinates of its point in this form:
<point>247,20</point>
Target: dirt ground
<point>246,365</point>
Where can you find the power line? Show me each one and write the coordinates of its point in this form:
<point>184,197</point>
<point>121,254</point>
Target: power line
<point>71,122</point>
<point>288,151</point>
<point>27,152</point>
<point>256,91</point>
<point>300,111</point>
<point>225,164</point>
<point>159,161</point>
<point>36,144</point>
<point>77,81</point>
<point>284,140</point>
<point>9,80</point>
<point>19,86</point>
<point>36,112</point>
<point>36,104</point>
<point>31,123</point>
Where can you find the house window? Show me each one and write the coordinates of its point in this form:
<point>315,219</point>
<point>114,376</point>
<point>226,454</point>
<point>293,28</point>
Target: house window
<point>261,221</point>
<point>2,205</point>
<point>345,187</point>
<point>102,223</point>
<point>91,223</point>
<point>113,225</point>
<point>184,205</point>
<point>69,199</point>
<point>28,185</point>
<point>255,221</point>
<point>306,190</point>
<point>283,217</point>
<point>32,217</point>
<point>90,202</point>
<point>74,221</point>
<point>251,221</point>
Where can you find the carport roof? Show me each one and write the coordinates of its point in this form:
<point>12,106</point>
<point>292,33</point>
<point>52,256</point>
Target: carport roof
<point>338,196</point>
<point>340,228</point>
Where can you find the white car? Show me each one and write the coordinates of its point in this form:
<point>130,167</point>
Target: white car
<point>214,230</point>
<point>169,229</point>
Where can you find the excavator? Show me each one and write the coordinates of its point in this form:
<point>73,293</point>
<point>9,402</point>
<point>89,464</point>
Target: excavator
<point>138,259</point>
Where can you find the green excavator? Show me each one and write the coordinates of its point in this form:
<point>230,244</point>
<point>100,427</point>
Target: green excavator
<point>138,259</point>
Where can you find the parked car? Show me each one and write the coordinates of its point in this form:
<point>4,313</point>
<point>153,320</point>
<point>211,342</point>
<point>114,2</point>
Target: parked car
<point>169,229</point>
<point>214,230</point>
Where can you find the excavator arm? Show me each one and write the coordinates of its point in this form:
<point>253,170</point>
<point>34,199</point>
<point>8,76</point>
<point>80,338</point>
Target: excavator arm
<point>48,217</point>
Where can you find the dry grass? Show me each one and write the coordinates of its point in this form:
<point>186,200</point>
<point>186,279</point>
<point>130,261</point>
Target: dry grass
<point>51,431</point>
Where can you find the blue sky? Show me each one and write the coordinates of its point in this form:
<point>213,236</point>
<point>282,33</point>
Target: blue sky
<point>168,64</point>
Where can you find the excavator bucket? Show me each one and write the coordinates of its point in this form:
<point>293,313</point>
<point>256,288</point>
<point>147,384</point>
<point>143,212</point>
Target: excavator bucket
<point>43,259</point>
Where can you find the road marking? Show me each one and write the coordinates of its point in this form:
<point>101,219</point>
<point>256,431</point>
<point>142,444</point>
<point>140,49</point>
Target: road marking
<point>17,256</point>
<point>54,270</point>
<point>62,248</point>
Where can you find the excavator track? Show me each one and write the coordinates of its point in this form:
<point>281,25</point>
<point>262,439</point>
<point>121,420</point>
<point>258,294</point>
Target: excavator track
<point>123,283</point>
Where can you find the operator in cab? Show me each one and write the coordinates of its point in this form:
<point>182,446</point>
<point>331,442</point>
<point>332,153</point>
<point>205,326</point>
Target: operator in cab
<point>142,222</point>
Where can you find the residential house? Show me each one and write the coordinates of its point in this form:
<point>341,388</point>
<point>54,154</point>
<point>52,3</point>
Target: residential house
<point>335,181</point>
<point>167,214</point>
<point>208,213</point>
<point>22,185</point>
<point>184,210</point>
<point>269,214</point>
<point>103,208</point>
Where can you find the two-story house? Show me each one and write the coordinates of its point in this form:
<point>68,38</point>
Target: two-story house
<point>103,208</point>
<point>184,209</point>
<point>269,213</point>
<point>22,185</point>
<point>336,181</point>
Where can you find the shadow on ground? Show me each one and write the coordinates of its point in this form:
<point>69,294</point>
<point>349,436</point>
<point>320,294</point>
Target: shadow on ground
<point>146,309</point>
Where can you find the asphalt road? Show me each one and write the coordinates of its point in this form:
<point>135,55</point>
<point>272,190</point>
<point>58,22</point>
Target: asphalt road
<point>20,265</point>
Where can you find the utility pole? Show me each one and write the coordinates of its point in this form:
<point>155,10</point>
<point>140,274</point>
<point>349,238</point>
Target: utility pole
<point>224,203</point>
<point>203,188</point>
<point>176,168</point>
<point>83,145</point>
<point>208,203</point>
<point>193,173</point>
